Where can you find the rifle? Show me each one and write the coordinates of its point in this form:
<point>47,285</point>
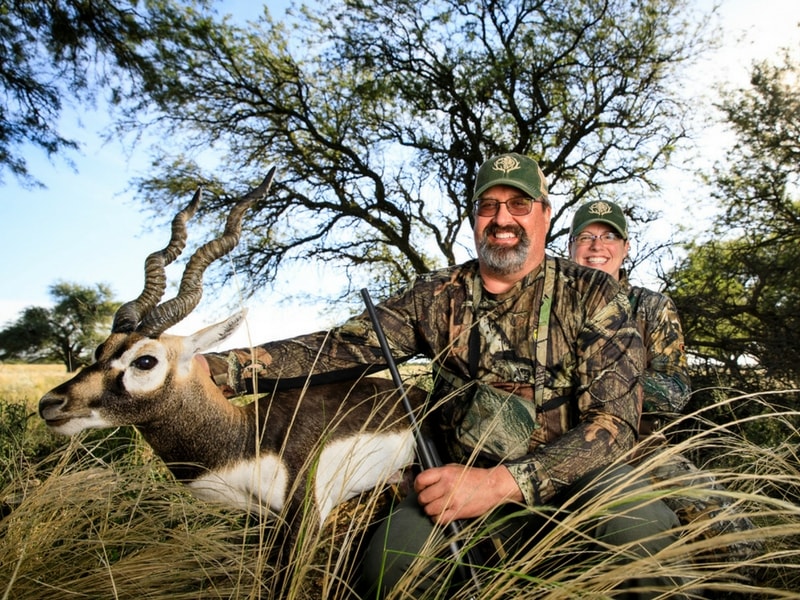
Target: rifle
<point>426,450</point>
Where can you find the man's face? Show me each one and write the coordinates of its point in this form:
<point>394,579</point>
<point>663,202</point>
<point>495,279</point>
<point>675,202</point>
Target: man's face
<point>511,245</point>
<point>606,255</point>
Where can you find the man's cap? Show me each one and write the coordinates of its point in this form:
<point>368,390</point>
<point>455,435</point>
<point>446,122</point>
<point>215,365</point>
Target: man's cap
<point>599,211</point>
<point>512,169</point>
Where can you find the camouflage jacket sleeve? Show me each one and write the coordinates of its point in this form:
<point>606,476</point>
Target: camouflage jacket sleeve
<point>416,321</point>
<point>666,382</point>
<point>344,352</point>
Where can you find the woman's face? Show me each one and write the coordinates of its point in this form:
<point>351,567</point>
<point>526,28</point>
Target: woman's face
<point>598,253</point>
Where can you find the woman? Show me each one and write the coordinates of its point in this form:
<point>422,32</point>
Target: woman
<point>599,239</point>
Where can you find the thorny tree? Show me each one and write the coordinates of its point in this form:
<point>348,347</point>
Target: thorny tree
<point>379,114</point>
<point>67,333</point>
<point>55,52</point>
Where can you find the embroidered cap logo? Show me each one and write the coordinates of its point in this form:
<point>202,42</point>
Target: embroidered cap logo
<point>600,209</point>
<point>506,164</point>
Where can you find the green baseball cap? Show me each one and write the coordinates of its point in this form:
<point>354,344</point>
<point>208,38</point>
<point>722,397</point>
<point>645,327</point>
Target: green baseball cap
<point>512,169</point>
<point>599,211</point>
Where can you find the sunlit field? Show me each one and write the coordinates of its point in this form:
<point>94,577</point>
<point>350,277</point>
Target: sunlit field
<point>25,384</point>
<point>99,516</point>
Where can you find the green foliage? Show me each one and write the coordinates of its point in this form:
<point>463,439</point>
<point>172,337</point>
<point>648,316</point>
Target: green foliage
<point>379,114</point>
<point>56,51</point>
<point>24,441</point>
<point>13,422</point>
<point>739,289</point>
<point>69,332</point>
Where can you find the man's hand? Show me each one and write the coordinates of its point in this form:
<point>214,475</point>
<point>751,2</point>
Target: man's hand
<point>205,367</point>
<point>455,492</point>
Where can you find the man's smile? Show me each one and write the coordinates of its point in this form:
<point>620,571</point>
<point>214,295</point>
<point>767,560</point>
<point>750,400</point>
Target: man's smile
<point>503,235</point>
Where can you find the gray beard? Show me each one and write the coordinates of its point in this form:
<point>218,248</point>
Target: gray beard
<point>500,259</point>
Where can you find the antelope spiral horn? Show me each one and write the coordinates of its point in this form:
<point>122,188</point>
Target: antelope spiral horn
<point>129,315</point>
<point>164,316</point>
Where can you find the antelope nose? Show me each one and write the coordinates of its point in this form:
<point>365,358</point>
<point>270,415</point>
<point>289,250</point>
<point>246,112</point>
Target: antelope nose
<point>50,405</point>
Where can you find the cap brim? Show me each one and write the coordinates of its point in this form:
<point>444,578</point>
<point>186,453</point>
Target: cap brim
<point>509,182</point>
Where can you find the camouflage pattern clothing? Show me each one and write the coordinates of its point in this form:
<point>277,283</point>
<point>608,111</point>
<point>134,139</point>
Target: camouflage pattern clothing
<point>666,388</point>
<point>586,408</point>
<point>666,384</point>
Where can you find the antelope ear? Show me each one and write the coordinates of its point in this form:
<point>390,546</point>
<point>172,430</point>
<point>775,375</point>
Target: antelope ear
<point>209,337</point>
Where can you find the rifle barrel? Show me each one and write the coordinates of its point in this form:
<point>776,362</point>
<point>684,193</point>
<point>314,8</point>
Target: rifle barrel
<point>426,454</point>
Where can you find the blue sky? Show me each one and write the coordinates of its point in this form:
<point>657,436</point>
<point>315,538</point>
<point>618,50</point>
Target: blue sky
<point>86,226</point>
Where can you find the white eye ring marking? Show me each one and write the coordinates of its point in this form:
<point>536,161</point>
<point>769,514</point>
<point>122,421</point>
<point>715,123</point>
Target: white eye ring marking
<point>145,366</point>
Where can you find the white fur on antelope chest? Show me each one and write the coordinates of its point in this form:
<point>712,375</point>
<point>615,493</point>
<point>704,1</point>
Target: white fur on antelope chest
<point>249,485</point>
<point>344,468</point>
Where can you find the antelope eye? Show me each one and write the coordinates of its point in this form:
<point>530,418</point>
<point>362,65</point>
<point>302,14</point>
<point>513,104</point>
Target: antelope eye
<point>145,363</point>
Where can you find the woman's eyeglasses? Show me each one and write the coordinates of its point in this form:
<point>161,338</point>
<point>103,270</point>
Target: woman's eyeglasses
<point>584,239</point>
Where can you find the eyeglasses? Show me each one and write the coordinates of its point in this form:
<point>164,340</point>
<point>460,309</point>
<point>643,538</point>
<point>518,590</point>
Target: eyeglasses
<point>584,239</point>
<point>518,206</point>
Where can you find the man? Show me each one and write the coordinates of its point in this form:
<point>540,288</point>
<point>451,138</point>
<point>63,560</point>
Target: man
<point>599,239</point>
<point>536,362</point>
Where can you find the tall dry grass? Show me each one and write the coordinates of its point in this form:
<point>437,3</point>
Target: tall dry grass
<point>740,531</point>
<point>90,522</point>
<point>22,438</point>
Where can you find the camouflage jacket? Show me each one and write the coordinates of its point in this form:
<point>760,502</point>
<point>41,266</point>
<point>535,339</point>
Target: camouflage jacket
<point>587,409</point>
<point>666,384</point>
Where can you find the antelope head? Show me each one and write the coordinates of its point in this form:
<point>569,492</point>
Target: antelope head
<point>138,371</point>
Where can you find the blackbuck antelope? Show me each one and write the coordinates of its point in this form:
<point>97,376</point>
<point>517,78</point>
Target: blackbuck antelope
<point>325,443</point>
